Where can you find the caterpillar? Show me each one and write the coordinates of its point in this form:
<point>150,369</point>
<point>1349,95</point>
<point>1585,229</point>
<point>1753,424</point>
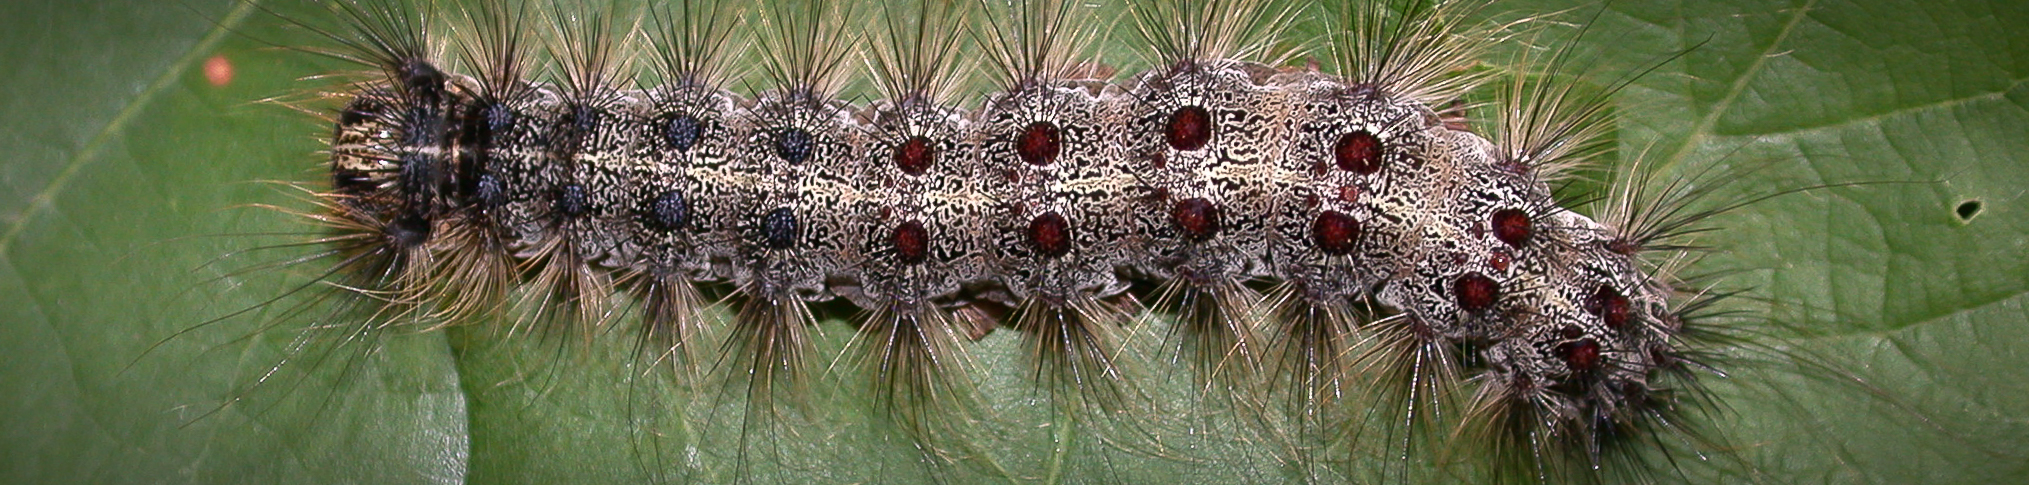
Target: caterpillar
<point>1378,260</point>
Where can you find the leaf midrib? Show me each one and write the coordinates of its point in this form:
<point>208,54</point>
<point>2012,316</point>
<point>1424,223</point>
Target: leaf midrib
<point>1719,109</point>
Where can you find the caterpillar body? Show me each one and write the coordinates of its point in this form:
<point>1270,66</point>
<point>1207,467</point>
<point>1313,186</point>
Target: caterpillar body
<point>1330,242</point>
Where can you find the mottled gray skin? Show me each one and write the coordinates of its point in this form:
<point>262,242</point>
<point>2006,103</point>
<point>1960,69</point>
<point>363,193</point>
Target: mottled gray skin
<point>947,197</point>
<point>1273,166</point>
<point>1085,184</point>
<point>699,173</point>
<point>1235,170</point>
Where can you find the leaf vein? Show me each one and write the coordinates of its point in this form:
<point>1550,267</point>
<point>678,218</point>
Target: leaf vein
<point>46,198</point>
<point>1705,125</point>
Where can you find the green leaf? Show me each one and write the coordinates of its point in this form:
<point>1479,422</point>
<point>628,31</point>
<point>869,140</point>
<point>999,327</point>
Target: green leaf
<point>129,171</point>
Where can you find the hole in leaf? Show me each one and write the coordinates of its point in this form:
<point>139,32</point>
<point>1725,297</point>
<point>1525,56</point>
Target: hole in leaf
<point>1969,209</point>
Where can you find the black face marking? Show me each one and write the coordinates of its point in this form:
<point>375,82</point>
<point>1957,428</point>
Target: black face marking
<point>571,201</point>
<point>1358,152</point>
<point>681,131</point>
<point>915,155</point>
<point>778,229</point>
<point>1196,218</point>
<point>911,241</point>
<point>1039,143</point>
<point>1050,235</point>
<point>666,212</point>
<point>794,145</point>
<point>1189,128</point>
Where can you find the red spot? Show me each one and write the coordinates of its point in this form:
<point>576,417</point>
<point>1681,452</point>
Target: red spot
<point>1500,260</point>
<point>1610,306</point>
<point>1190,128</point>
<point>1349,194</point>
<point>1039,143</point>
<point>1582,356</point>
<point>915,155</point>
<point>1050,235</point>
<point>1196,217</point>
<point>1335,233</point>
<point>912,242</point>
<point>1476,292</point>
<point>1512,226</point>
<point>1358,152</point>
<point>218,71</point>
